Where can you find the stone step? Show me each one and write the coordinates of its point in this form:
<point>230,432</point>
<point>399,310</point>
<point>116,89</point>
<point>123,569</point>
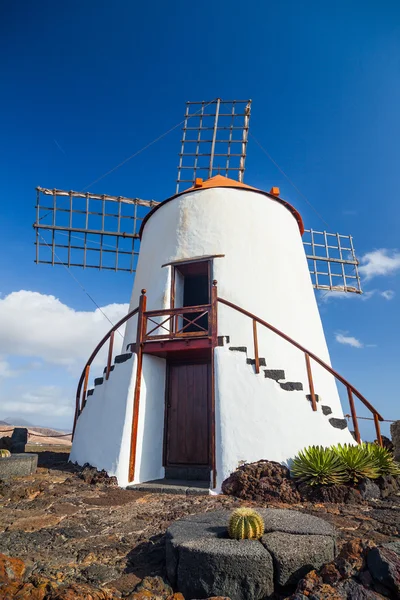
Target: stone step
<point>121,358</point>
<point>223,339</point>
<point>252,361</point>
<point>292,386</point>
<point>172,486</point>
<point>275,374</point>
<point>188,473</point>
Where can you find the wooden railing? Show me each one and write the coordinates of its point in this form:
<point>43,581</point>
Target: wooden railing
<point>176,323</point>
<point>351,390</point>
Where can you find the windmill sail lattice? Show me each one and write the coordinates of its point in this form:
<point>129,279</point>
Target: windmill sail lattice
<point>214,140</point>
<point>332,261</point>
<point>87,230</point>
<point>78,229</point>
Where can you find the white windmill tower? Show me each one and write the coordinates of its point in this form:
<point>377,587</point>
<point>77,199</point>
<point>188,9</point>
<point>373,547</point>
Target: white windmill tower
<point>213,374</point>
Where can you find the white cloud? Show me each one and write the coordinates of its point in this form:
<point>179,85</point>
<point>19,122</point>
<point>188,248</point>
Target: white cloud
<point>379,262</point>
<point>388,294</point>
<point>41,326</point>
<point>326,297</point>
<point>43,400</point>
<point>43,341</point>
<point>6,370</point>
<point>348,340</point>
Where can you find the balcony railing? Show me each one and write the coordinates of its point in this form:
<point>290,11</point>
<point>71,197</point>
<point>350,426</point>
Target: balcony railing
<point>173,323</point>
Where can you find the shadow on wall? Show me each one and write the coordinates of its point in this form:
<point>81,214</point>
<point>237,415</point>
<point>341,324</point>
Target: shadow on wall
<point>153,406</point>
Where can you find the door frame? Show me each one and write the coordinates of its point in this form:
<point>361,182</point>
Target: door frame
<point>188,361</point>
<point>175,267</point>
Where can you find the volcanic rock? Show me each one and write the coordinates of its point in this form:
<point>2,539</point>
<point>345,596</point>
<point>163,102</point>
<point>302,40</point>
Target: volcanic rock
<point>384,566</point>
<point>337,494</point>
<point>262,481</point>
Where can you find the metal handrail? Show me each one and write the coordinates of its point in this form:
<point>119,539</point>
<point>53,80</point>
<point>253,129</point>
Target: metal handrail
<point>85,373</point>
<point>308,354</point>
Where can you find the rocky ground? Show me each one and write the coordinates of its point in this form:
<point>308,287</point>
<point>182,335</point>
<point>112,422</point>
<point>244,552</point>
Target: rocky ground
<point>76,528</point>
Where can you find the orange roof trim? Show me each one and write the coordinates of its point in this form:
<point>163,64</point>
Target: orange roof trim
<point>219,181</point>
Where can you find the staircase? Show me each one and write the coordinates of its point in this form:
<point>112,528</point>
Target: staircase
<point>120,358</point>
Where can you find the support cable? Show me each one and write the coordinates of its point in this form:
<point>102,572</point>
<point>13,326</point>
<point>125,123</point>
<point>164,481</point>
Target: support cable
<point>145,147</point>
<point>289,180</point>
<point>79,283</point>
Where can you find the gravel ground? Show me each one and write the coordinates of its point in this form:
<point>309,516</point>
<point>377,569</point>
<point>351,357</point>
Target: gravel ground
<point>64,527</point>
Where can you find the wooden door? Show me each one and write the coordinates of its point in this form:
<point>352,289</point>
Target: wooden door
<point>188,409</point>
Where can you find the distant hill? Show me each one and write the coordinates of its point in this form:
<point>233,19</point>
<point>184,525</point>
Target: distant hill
<point>4,423</point>
<point>40,435</point>
<point>18,422</point>
<point>47,431</point>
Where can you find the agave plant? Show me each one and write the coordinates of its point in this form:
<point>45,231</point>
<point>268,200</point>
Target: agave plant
<point>359,461</point>
<point>385,461</point>
<point>317,465</point>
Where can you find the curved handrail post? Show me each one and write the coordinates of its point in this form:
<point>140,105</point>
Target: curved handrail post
<point>214,314</point>
<point>85,386</point>
<point>310,382</point>
<point>140,336</point>
<point>110,352</point>
<point>378,429</point>
<point>213,325</point>
<point>255,343</point>
<point>354,415</point>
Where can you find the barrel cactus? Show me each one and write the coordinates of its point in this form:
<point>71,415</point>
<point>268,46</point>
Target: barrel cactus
<point>4,453</point>
<point>245,524</point>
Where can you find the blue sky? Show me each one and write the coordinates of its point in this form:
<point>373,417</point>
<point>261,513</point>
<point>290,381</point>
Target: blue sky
<point>86,84</point>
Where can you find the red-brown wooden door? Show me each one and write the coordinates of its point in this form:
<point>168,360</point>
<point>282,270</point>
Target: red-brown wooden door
<point>188,408</point>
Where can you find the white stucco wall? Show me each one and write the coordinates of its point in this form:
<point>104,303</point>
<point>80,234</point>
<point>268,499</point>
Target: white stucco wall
<point>264,270</point>
<point>151,420</point>
<point>103,432</point>
<point>256,419</point>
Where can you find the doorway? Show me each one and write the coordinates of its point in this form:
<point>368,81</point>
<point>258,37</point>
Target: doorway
<point>191,286</point>
<point>187,417</point>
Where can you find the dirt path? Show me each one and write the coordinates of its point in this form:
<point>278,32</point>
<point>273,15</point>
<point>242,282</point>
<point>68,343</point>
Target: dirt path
<point>69,526</point>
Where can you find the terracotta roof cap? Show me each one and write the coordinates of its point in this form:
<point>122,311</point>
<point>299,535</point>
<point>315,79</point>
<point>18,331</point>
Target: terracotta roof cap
<point>218,181</point>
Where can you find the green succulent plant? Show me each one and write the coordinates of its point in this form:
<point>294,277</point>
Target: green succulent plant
<point>245,524</point>
<point>4,453</point>
<point>317,465</point>
<point>385,461</point>
<point>359,461</point>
